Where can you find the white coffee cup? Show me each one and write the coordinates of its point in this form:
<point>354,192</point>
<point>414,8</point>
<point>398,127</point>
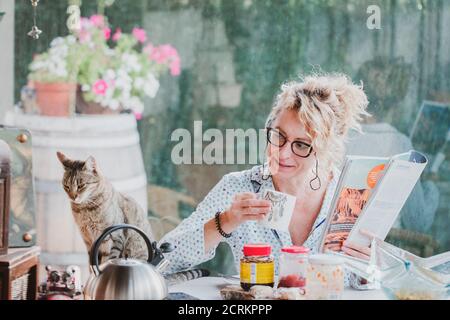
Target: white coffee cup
<point>282,207</point>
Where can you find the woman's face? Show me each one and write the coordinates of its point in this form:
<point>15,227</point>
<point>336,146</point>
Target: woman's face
<point>283,162</point>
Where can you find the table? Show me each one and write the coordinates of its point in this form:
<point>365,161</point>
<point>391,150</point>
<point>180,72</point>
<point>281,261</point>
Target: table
<point>19,274</point>
<point>207,288</point>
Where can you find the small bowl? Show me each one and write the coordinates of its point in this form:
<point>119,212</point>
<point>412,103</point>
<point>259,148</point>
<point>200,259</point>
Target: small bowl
<point>415,293</point>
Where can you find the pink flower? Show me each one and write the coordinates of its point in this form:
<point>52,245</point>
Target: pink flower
<point>138,115</point>
<point>168,51</point>
<point>148,49</point>
<point>165,54</point>
<point>175,67</point>
<point>84,36</point>
<point>158,56</point>
<point>98,20</point>
<point>107,33</point>
<point>117,35</point>
<point>85,23</point>
<point>100,87</point>
<point>140,35</point>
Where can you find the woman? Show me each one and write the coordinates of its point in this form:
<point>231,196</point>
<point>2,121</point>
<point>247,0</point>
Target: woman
<point>306,131</point>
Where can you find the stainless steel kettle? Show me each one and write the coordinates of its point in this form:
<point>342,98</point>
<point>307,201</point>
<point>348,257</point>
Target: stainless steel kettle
<point>127,279</point>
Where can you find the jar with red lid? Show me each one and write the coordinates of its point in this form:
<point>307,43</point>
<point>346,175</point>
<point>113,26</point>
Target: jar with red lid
<point>257,266</point>
<point>293,267</point>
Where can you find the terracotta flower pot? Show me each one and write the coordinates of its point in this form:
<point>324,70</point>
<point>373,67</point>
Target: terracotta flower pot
<point>88,107</point>
<point>55,99</point>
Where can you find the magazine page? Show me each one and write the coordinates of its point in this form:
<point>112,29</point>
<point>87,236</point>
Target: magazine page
<point>389,196</point>
<point>356,184</point>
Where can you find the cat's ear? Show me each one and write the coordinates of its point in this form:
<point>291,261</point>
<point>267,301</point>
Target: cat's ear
<point>90,164</point>
<point>64,160</point>
<point>61,157</point>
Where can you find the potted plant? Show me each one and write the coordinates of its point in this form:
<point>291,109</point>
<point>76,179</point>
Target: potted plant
<point>99,71</point>
<point>120,69</point>
<point>53,76</point>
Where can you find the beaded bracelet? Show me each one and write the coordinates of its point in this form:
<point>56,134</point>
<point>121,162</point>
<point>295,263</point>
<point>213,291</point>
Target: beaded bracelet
<point>219,228</point>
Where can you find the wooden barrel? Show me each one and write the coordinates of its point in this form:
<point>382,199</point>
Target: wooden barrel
<point>113,140</point>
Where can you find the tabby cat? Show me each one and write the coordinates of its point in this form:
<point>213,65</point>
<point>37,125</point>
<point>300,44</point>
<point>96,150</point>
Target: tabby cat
<point>96,205</point>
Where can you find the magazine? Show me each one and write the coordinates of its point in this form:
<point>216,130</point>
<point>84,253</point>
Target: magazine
<point>369,196</point>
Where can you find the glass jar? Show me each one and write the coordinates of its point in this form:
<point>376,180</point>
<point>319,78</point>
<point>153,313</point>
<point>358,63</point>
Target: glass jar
<point>293,267</point>
<point>257,266</point>
<point>325,277</point>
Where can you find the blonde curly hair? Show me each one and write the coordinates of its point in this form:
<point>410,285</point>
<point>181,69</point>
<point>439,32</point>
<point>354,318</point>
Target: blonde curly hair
<point>328,106</point>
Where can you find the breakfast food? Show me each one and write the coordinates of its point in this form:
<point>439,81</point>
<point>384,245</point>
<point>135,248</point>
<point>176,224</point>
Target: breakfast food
<point>403,294</point>
<point>289,294</point>
<point>234,292</point>
<point>292,281</point>
<point>261,292</point>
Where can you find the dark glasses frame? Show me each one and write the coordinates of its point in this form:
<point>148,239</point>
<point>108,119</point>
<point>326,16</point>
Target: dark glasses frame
<point>269,130</point>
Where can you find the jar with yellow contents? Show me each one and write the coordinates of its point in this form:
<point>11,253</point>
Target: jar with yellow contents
<point>257,266</point>
<point>325,277</point>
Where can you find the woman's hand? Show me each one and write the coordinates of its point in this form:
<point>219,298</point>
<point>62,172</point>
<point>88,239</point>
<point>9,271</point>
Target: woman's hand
<point>245,207</point>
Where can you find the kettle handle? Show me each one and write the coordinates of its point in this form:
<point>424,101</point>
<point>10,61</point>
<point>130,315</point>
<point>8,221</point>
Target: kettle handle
<point>93,259</point>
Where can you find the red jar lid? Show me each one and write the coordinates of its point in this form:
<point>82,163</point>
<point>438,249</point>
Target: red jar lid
<point>257,249</point>
<point>295,249</point>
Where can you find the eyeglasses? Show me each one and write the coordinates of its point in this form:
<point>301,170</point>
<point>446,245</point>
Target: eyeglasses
<point>299,148</point>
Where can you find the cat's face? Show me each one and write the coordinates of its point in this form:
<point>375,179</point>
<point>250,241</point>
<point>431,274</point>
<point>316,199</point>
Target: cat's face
<point>80,180</point>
